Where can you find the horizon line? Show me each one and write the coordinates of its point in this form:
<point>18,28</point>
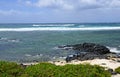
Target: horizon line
<point>57,22</point>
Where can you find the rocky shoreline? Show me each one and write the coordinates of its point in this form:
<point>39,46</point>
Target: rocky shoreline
<point>94,54</point>
<point>89,51</point>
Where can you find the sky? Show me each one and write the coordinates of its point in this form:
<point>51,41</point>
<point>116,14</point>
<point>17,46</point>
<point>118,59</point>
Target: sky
<point>59,11</point>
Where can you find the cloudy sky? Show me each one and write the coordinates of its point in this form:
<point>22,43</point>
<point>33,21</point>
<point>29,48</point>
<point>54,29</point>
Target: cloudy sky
<point>59,11</point>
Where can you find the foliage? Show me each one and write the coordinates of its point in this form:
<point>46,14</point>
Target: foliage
<point>8,69</point>
<point>117,70</point>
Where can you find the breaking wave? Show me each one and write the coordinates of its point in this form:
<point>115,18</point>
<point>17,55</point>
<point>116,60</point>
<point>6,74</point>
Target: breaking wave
<point>60,29</point>
<point>113,49</point>
<point>52,25</point>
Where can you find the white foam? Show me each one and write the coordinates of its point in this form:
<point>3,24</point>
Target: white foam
<point>28,55</point>
<point>35,25</point>
<point>113,49</point>
<point>66,25</point>
<point>59,29</point>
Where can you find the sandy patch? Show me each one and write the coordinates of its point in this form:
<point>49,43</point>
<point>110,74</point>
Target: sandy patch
<point>102,62</point>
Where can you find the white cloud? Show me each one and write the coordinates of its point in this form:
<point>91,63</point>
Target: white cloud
<point>61,4</point>
<point>101,3</point>
<point>74,4</point>
<point>45,3</point>
<point>28,2</point>
<point>10,12</point>
<point>115,3</point>
<point>88,1</point>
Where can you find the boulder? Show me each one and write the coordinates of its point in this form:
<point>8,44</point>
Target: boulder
<point>86,51</point>
<point>87,47</point>
<point>89,51</point>
<point>91,47</point>
<point>111,71</point>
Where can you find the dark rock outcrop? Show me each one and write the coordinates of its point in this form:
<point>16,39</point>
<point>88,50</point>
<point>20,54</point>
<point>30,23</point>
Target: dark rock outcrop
<point>91,51</point>
<point>91,47</point>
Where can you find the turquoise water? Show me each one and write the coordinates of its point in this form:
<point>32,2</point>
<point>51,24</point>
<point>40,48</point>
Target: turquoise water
<point>26,45</point>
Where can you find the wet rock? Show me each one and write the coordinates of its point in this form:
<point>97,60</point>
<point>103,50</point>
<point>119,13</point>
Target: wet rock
<point>111,55</point>
<point>91,47</point>
<point>87,47</point>
<point>70,58</point>
<point>111,71</point>
<point>118,60</point>
<point>22,65</point>
<point>65,47</point>
<point>103,63</point>
<point>89,51</point>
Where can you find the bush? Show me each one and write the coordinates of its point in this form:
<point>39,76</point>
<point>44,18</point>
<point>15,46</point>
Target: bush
<point>117,70</point>
<point>9,69</point>
<point>41,70</point>
<point>51,70</point>
<point>85,70</point>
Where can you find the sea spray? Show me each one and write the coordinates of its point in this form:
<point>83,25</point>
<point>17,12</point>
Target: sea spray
<point>113,49</point>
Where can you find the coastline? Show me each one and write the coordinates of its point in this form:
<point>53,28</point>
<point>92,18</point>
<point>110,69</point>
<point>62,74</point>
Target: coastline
<point>108,64</point>
<point>101,62</point>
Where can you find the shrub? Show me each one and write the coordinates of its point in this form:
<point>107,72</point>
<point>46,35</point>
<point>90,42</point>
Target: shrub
<point>41,70</point>
<point>117,70</point>
<point>50,70</point>
<point>10,69</point>
<point>85,70</point>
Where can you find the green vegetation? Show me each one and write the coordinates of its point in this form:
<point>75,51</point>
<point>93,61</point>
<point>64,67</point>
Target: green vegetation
<point>117,70</point>
<point>9,69</point>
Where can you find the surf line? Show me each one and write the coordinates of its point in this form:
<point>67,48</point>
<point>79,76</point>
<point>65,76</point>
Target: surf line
<point>60,29</point>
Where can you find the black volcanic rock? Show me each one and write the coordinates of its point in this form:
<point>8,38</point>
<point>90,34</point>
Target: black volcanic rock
<point>87,47</point>
<point>91,47</point>
<point>111,71</point>
<point>87,51</point>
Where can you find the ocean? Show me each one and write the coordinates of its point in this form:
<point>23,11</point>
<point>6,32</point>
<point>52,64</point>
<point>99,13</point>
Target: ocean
<point>28,42</point>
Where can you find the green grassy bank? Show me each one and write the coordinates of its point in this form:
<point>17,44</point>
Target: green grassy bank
<point>10,69</point>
